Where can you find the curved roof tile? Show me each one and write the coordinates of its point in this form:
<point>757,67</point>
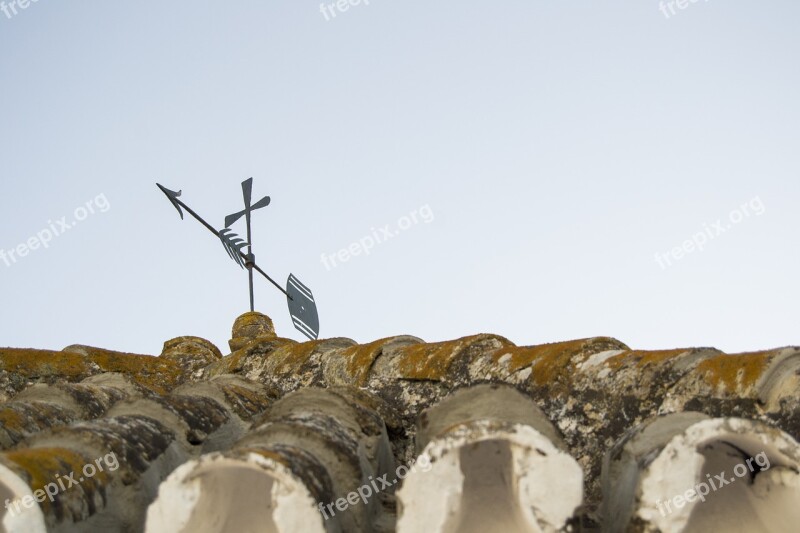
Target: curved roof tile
<point>319,419</point>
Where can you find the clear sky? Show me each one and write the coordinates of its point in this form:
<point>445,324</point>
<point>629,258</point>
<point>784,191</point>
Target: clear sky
<point>576,168</point>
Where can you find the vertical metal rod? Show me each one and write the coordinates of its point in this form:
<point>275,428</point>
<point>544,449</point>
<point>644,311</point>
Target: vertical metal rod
<point>250,257</point>
<point>250,274</point>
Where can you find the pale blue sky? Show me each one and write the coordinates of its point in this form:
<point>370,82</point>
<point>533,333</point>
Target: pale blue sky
<point>560,146</point>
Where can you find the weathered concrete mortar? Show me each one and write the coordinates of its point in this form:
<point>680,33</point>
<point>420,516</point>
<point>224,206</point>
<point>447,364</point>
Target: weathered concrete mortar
<point>496,463</point>
<point>688,472</point>
<point>497,403</point>
<point>312,444</point>
<point>250,491</point>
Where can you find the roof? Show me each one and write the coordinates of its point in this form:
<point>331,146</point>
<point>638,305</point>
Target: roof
<point>397,434</point>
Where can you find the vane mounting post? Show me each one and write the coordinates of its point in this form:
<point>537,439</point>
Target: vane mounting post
<point>247,194</point>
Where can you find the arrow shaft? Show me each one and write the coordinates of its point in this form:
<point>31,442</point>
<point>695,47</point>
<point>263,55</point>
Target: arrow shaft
<point>258,268</point>
<point>210,228</point>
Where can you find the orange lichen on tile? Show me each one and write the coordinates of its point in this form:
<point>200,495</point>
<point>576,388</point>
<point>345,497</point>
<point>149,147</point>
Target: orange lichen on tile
<point>155,373</point>
<point>643,358</point>
<point>251,326</point>
<point>432,361</point>
<point>73,365</point>
<point>246,401</point>
<point>546,358</point>
<point>13,420</point>
<point>44,363</point>
<point>23,417</point>
<point>188,347</point>
<point>736,373</point>
<point>228,365</point>
<point>361,357</point>
<point>40,465</point>
<point>236,361</point>
<point>288,359</point>
<point>557,361</point>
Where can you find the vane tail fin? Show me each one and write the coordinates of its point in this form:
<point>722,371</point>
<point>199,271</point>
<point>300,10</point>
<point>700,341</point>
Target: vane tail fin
<point>302,307</point>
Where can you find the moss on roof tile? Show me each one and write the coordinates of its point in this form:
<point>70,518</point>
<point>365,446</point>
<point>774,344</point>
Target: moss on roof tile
<point>155,373</point>
<point>78,363</point>
<point>642,358</point>
<point>19,419</point>
<point>35,364</point>
<point>432,362</point>
<point>734,373</point>
<point>239,361</point>
<point>289,358</point>
<point>39,467</point>
<point>557,362</point>
<point>361,357</point>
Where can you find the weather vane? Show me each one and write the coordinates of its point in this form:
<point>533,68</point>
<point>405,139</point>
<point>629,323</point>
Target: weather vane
<point>302,307</point>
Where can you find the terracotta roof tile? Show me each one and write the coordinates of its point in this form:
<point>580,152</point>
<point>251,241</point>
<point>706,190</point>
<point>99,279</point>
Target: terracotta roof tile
<point>279,429</point>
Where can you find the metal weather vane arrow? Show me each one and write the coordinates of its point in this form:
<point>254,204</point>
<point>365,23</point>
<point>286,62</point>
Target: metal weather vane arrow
<point>302,307</point>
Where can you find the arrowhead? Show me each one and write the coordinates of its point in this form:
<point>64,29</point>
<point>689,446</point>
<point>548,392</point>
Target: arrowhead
<point>173,197</point>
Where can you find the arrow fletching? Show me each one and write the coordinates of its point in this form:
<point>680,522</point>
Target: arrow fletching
<point>233,244</point>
